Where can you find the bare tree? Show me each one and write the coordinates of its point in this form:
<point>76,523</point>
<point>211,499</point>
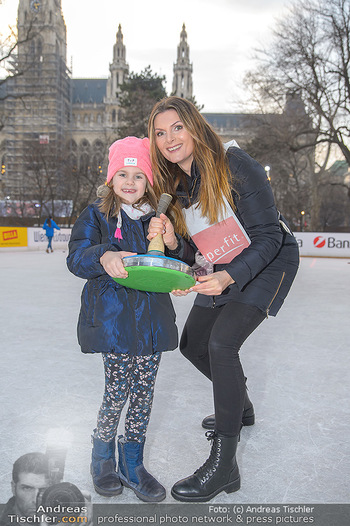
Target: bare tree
<point>81,178</point>
<point>41,182</point>
<point>277,143</point>
<point>310,56</point>
<point>9,67</point>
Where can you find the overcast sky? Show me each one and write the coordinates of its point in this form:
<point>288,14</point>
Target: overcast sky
<point>222,35</point>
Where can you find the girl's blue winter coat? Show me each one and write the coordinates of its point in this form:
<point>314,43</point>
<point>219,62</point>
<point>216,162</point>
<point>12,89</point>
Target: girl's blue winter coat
<point>114,318</point>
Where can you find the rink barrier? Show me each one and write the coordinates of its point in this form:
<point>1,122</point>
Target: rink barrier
<point>314,244</point>
<point>32,238</point>
<point>323,244</point>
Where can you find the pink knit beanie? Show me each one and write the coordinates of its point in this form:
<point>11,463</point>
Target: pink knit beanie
<point>130,151</point>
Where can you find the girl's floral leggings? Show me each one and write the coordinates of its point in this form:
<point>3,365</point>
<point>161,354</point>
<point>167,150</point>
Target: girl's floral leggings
<point>133,377</point>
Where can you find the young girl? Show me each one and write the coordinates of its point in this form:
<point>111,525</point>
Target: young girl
<point>129,327</point>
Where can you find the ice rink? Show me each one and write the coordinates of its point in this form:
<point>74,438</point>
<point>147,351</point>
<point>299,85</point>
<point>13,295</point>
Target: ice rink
<point>297,364</point>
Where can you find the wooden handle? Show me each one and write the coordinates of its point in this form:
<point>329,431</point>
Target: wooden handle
<point>157,244</point>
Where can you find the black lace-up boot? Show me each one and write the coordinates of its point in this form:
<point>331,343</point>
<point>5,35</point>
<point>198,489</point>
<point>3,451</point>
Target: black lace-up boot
<point>218,473</point>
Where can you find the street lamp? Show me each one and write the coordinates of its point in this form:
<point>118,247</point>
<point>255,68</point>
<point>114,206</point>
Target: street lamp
<point>7,204</point>
<point>302,213</point>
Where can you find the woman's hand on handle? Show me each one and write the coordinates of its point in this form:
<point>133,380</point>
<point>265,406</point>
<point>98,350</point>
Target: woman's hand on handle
<point>113,264</point>
<point>210,285</point>
<point>213,284</point>
<point>179,292</point>
<point>162,225</point>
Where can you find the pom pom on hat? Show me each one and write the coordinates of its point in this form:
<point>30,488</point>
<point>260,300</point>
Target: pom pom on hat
<point>130,151</point>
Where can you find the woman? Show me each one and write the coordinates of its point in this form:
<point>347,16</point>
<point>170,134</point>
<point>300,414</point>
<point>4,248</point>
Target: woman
<point>223,203</point>
<point>50,226</point>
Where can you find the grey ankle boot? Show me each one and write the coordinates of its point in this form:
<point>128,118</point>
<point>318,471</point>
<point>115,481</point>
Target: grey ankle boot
<point>133,474</point>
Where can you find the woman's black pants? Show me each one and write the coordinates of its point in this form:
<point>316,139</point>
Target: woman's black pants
<point>211,340</point>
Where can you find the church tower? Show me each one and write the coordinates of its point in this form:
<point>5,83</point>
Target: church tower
<point>119,71</point>
<point>40,109</point>
<point>182,80</point>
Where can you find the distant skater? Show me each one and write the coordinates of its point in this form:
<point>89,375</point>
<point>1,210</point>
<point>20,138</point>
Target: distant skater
<point>49,226</point>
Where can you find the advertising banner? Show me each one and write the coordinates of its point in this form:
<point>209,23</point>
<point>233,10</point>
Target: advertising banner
<point>37,239</point>
<point>13,237</point>
<point>313,244</point>
<point>323,244</point>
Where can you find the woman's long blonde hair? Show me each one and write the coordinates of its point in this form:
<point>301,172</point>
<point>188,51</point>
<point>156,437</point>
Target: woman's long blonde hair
<point>208,154</point>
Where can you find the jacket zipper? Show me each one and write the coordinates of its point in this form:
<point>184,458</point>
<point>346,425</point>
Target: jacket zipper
<point>278,288</point>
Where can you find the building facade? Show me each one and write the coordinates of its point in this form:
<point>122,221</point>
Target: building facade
<point>57,128</point>
<point>37,106</point>
<point>47,113</point>
<point>51,116</point>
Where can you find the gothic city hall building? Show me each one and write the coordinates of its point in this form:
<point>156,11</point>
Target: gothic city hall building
<point>54,124</point>
<point>55,130</point>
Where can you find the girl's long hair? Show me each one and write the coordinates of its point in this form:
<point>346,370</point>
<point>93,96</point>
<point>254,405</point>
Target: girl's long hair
<point>110,203</point>
<point>208,154</point>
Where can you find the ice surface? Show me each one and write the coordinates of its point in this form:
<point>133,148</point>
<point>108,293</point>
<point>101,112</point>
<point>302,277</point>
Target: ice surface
<point>298,368</point>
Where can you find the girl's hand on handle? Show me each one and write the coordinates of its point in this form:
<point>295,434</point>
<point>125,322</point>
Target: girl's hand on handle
<point>213,284</point>
<point>162,225</point>
<point>113,264</point>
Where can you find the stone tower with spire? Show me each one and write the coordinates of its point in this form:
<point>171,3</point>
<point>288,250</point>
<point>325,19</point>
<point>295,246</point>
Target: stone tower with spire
<point>182,80</point>
<point>40,108</point>
<point>119,71</point>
